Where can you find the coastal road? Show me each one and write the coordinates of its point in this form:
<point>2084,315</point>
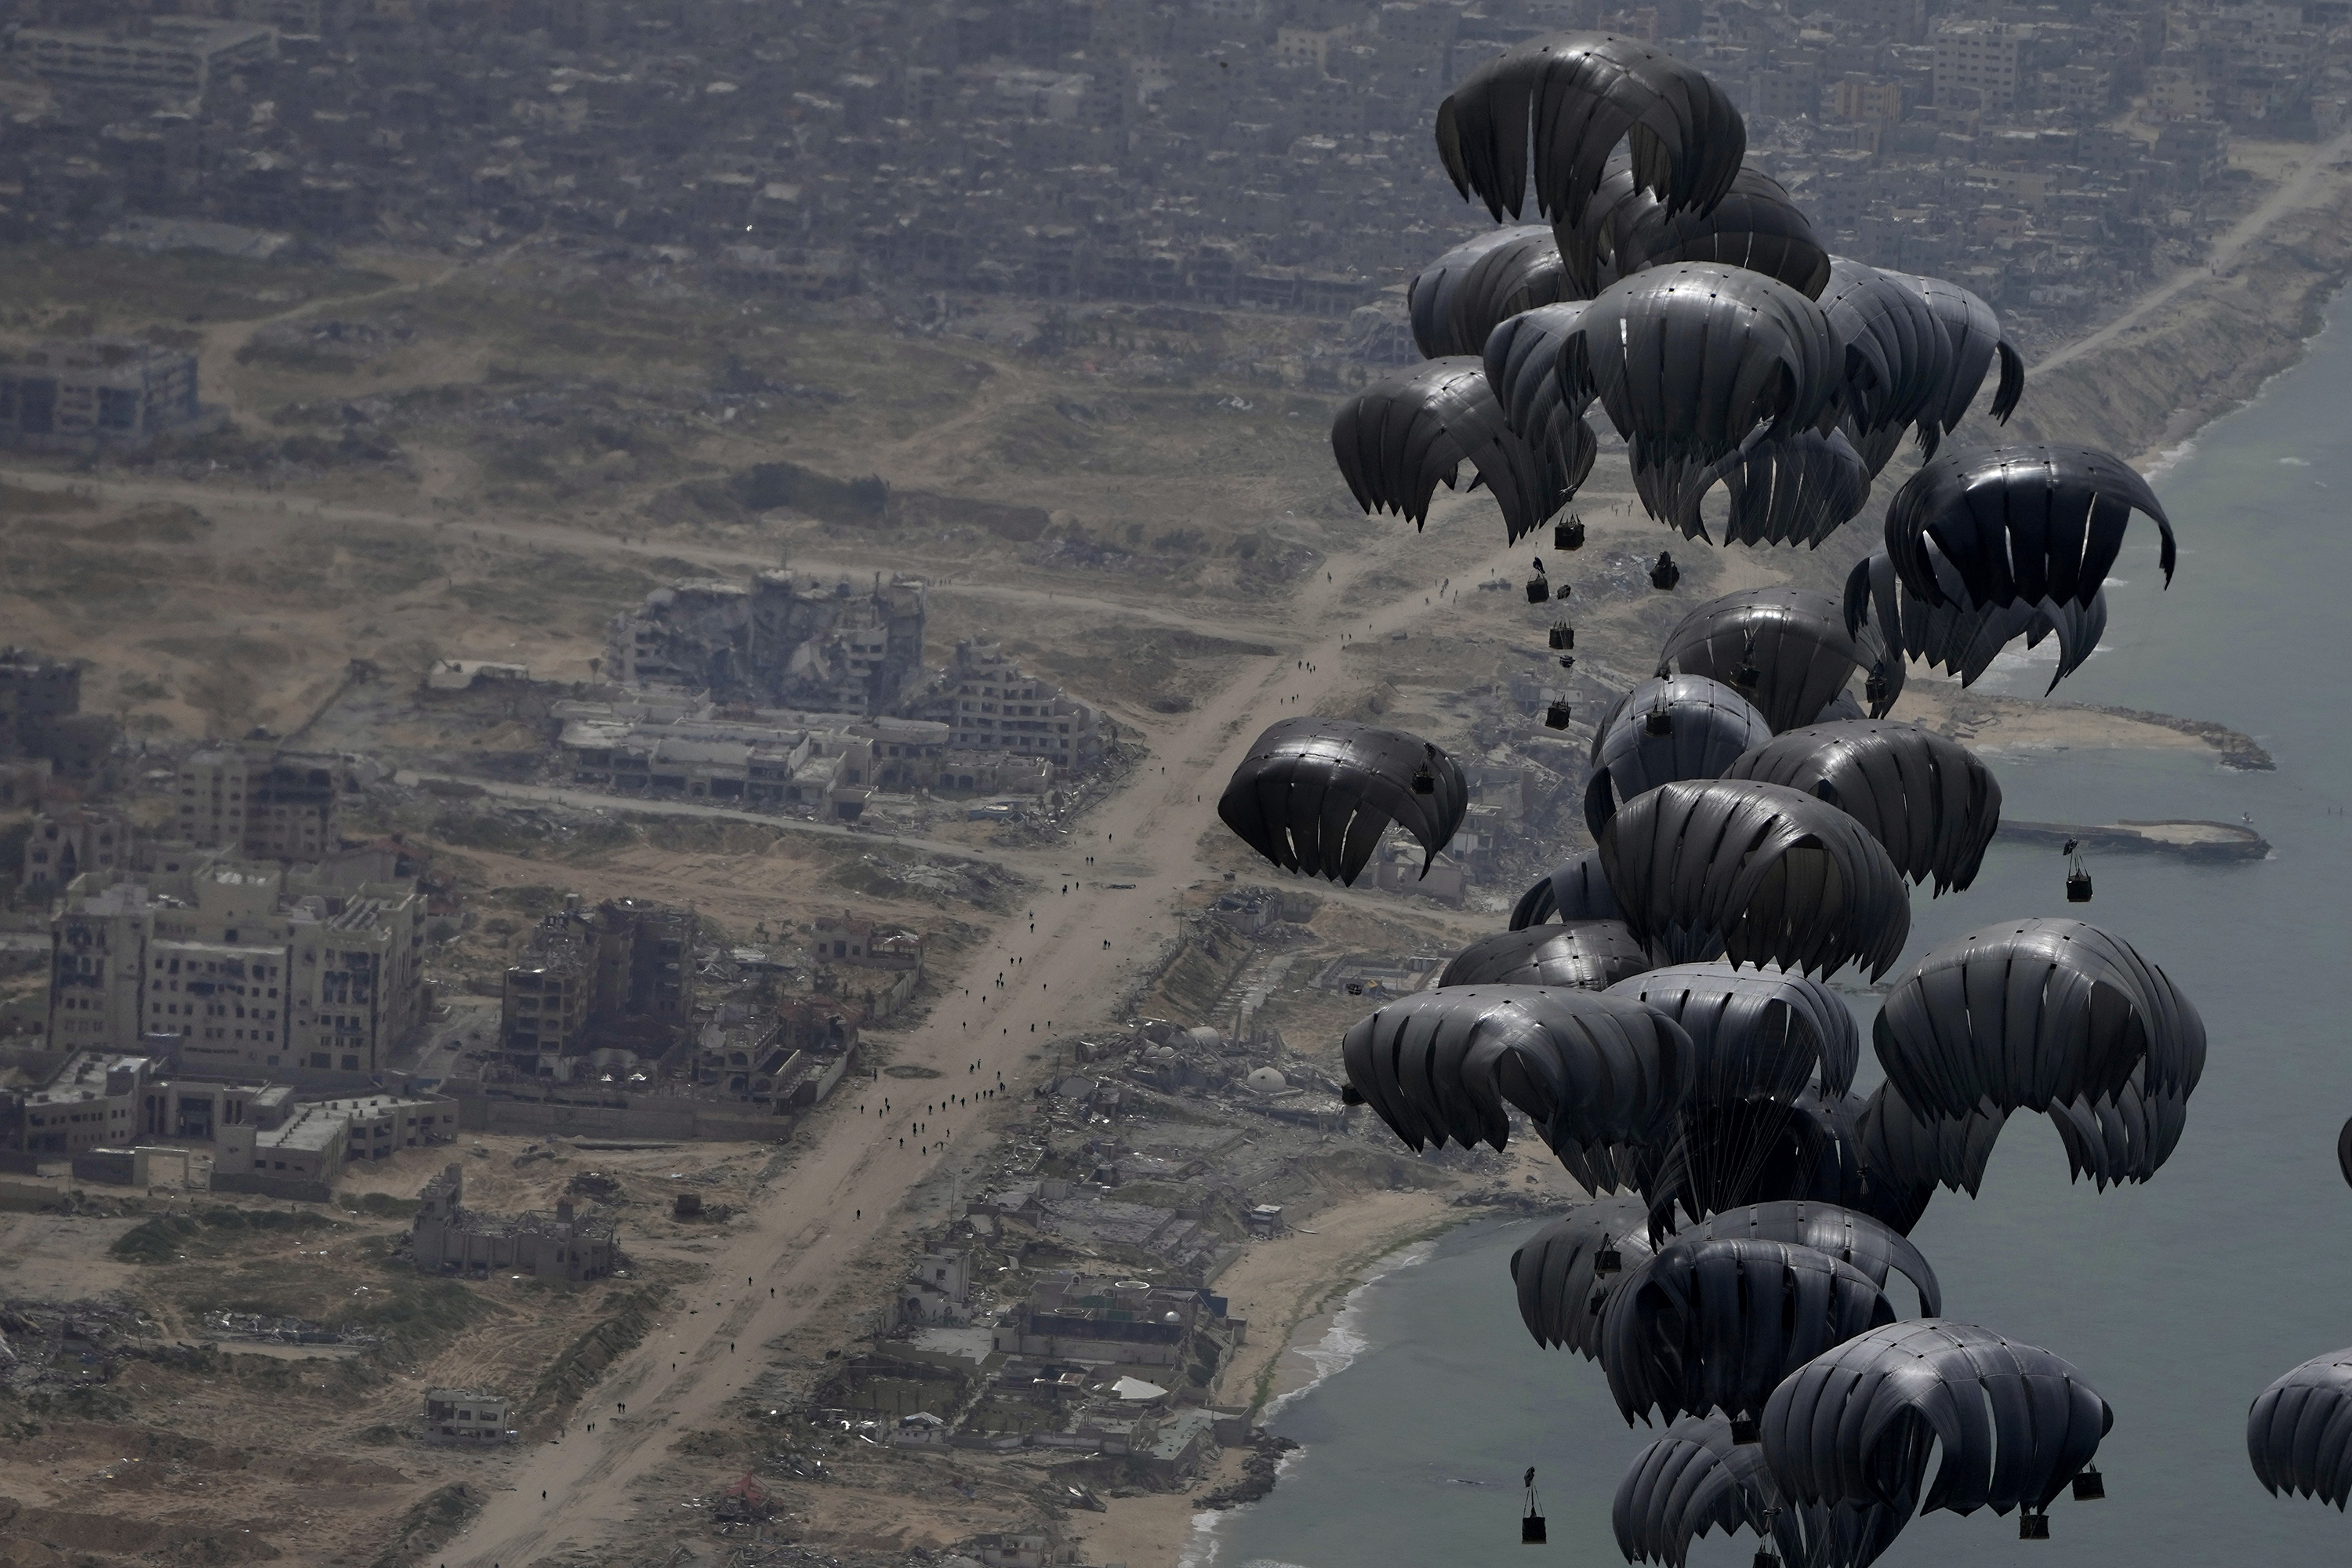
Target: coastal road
<point>845,1193</point>
<point>2312,179</point>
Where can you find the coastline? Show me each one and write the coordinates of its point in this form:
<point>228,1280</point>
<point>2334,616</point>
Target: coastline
<point>2205,351</point>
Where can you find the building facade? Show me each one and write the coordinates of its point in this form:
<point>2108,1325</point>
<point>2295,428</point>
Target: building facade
<point>1001,708</point>
<point>96,393</point>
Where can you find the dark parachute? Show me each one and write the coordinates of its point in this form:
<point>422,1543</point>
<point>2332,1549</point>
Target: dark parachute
<point>1897,358</point>
<point>2034,1014</point>
<point>1696,361</point>
<point>1776,876</point>
<point>2299,1432</point>
<point>1755,227</point>
<point>1686,727</point>
<point>1316,794</point>
<point>1520,354</point>
<point>1575,890</point>
<point>1589,1070</point>
<point>1585,955</point>
<point>1908,1151</point>
<point>2125,1138</point>
<point>1849,1237</point>
<point>1715,1324</point>
<point>1785,649</point>
<point>2019,524</point>
<point>1460,298</point>
<point>1958,637</point>
<point>1578,95</point>
<point>1699,1476</point>
<point>1858,1425</point>
<point>1796,489</point>
<point>1927,798</point>
<point>1397,440</point>
<point>1973,334</point>
<point>1754,1031</point>
<point>1561,1287</point>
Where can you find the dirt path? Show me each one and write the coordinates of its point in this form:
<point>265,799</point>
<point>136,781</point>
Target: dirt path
<point>2293,193</point>
<point>1083,952</point>
<point>298,516</point>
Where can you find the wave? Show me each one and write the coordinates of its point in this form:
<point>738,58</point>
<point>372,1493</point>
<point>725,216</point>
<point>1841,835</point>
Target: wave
<point>2169,459</point>
<point>1343,1343</point>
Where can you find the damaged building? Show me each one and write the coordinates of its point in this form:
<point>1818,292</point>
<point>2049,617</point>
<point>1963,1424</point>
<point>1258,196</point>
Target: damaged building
<point>449,1238</point>
<point>780,641</point>
<point>620,975</point>
<point>44,733</point>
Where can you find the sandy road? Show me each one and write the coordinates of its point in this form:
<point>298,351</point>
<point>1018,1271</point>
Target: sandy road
<point>2293,193</point>
<point>302,514</point>
<point>1061,975</point>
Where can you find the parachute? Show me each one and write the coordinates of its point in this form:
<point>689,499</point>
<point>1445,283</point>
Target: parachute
<point>1897,357</point>
<point>1775,876</point>
<point>1574,891</point>
<point>2299,1431</point>
<point>1857,1425</point>
<point>1559,1274</point>
<point>1756,227</point>
<point>1696,361</point>
<point>1716,1323</point>
<point>2034,1014</point>
<point>1849,1237</point>
<point>1973,335</point>
<point>1519,356</point>
<point>1685,727</point>
<point>1587,1069</point>
<point>1700,1475</point>
<point>1588,955</point>
<point>1316,794</point>
<point>1397,440</point>
<point>1785,649</point>
<point>1911,1150</point>
<point>1796,489</point>
<point>1754,1031</point>
<point>1458,300</point>
<point>2124,1138</point>
<point>1927,798</point>
<point>1957,636</point>
<point>1581,94</point>
<point>2019,524</point>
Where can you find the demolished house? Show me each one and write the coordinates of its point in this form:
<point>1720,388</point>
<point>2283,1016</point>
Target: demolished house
<point>447,1238</point>
<point>780,641</point>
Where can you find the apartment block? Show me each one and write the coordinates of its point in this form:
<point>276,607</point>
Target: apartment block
<point>96,393</point>
<point>166,57</point>
<point>258,801</point>
<point>999,707</point>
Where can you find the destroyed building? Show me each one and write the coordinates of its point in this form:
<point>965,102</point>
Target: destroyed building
<point>315,971</point>
<point>463,1416</point>
<point>998,707</point>
<point>42,724</point>
<point>262,801</point>
<point>618,976</point>
<point>82,396</point>
<point>449,1238</point>
<point>782,641</point>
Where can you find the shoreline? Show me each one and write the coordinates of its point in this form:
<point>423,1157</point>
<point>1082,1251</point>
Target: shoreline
<point>2204,353</point>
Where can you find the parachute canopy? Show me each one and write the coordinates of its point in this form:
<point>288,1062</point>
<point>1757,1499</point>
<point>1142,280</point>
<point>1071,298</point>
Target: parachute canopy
<point>1579,95</point>
<point>2299,1431</point>
<point>1460,298</point>
<point>1786,649</point>
<point>2034,1014</point>
<point>1666,728</point>
<point>1574,891</point>
<point>1557,1279</point>
<point>2019,524</point>
<point>1588,955</point>
<point>1925,796</point>
<point>1397,440</point>
<point>1716,1323</point>
<point>1775,876</point>
<point>1958,635</point>
<point>1316,794</point>
<point>1858,1424</point>
<point>1587,1069</point>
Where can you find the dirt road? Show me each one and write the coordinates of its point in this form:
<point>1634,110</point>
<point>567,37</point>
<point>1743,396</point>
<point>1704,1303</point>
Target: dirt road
<point>2295,192</point>
<point>1081,954</point>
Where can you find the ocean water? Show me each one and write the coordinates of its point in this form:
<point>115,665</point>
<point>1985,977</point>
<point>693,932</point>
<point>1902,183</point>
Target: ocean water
<point>2178,1299</point>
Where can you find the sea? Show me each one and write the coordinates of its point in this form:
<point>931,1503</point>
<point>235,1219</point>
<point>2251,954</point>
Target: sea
<point>2179,1300</point>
